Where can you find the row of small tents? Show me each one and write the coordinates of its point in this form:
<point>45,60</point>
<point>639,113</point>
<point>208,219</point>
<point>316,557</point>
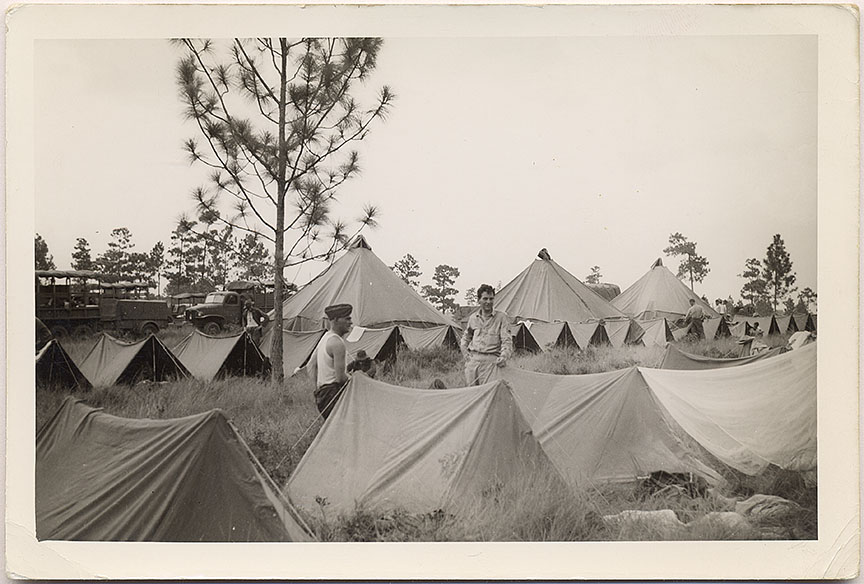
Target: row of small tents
<point>100,477</point>
<point>112,361</point>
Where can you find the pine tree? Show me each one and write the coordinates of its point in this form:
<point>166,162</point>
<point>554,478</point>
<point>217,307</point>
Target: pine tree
<point>806,299</point>
<point>180,269</point>
<point>753,290</point>
<point>693,265</point>
<point>81,259</point>
<point>594,277</point>
<point>156,264</point>
<point>252,259</point>
<point>408,270</point>
<point>282,160</point>
<point>116,263</point>
<point>44,260</point>
<point>777,272</point>
<point>442,293</point>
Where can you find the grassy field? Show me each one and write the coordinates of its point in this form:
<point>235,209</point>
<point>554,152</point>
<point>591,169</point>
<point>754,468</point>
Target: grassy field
<point>280,422</point>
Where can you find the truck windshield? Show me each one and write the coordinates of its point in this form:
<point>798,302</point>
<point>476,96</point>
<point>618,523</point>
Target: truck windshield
<point>215,298</point>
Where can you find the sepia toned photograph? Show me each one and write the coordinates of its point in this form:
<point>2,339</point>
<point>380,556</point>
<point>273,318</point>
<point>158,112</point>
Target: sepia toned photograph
<point>423,278</point>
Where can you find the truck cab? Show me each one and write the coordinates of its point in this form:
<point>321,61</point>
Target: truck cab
<point>219,311</point>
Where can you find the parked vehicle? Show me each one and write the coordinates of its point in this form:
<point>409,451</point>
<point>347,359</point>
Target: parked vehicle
<point>220,311</point>
<point>78,303</point>
<point>260,292</point>
<point>180,302</point>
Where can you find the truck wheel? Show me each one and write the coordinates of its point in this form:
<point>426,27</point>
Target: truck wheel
<point>150,329</point>
<point>81,331</point>
<point>212,328</point>
<point>59,331</point>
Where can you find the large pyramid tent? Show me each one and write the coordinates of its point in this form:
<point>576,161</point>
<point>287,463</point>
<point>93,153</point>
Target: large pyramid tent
<point>748,416</point>
<point>112,362</point>
<point>104,478</point>
<point>379,297</point>
<point>208,358</point>
<point>659,293</point>
<point>387,447</point>
<point>56,370</point>
<point>603,427</point>
<point>546,292</point>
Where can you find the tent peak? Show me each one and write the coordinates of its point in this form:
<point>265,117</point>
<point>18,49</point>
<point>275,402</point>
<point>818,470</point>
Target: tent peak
<point>657,264</point>
<point>544,255</point>
<point>360,241</point>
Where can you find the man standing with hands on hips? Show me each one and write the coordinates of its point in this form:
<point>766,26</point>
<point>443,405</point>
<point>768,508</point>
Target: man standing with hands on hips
<point>486,343</point>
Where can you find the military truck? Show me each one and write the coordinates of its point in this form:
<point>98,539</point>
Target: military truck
<point>79,303</point>
<point>260,292</point>
<point>220,311</point>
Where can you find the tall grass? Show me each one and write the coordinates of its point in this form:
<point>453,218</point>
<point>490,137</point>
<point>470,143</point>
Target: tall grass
<point>279,422</point>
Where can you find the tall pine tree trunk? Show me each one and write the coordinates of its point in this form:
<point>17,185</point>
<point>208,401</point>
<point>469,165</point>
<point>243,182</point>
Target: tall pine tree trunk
<point>278,374</point>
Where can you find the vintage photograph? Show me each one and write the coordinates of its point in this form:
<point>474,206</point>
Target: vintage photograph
<point>404,285</point>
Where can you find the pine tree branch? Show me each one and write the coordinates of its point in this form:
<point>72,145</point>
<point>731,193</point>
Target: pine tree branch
<point>254,70</point>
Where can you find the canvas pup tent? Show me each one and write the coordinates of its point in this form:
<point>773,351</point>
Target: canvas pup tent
<point>112,362</point>
<point>208,358</point>
<point>104,478</point>
<point>56,370</point>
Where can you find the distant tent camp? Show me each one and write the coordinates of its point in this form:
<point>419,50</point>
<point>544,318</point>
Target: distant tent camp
<point>658,294</point>
<point>379,297</point>
<point>657,332</point>
<point>296,347</point>
<point>387,447</point>
<point>603,427</point>
<point>546,292</point>
<point>104,478</point>
<point>675,358</point>
<point>112,362</point>
<point>210,358</point>
<point>56,370</point>
<point>427,338</point>
<point>552,334</point>
<point>748,416</point>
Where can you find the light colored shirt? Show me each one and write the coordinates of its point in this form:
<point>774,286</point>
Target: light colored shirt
<point>324,361</point>
<point>250,319</point>
<point>695,313</point>
<point>488,335</point>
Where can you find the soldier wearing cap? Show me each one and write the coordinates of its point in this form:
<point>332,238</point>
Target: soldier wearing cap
<point>329,361</point>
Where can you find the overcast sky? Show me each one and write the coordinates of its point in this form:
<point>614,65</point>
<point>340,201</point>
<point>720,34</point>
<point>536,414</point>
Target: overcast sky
<point>596,148</point>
